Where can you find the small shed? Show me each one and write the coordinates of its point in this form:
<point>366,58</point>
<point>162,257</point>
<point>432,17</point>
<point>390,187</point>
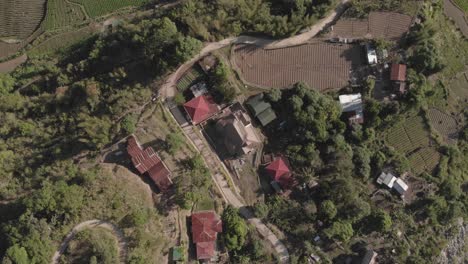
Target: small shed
<point>261,109</point>
<point>369,257</point>
<point>400,186</point>
<point>371,54</point>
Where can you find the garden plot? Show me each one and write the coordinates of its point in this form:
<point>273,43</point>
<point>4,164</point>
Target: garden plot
<point>444,124</point>
<point>412,139</point>
<point>20,18</point>
<point>320,65</point>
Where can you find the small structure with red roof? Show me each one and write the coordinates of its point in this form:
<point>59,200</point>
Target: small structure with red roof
<point>280,172</point>
<point>147,161</point>
<point>398,77</point>
<point>205,227</point>
<point>201,108</point>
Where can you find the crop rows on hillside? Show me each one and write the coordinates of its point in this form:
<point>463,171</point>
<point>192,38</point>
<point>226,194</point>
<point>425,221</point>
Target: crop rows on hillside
<point>98,8</point>
<point>425,159</point>
<point>61,13</point>
<point>444,124</point>
<point>20,18</point>
<point>412,139</point>
<point>409,135</point>
<point>320,65</point>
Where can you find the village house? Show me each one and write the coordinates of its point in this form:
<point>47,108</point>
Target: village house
<point>280,173</point>
<point>201,108</point>
<point>393,182</point>
<point>260,109</point>
<point>369,257</point>
<point>147,161</point>
<point>352,107</point>
<point>205,228</point>
<point>239,136</point>
<point>398,77</point>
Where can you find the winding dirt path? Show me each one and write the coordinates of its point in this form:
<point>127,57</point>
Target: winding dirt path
<point>94,223</point>
<point>168,89</point>
<point>458,15</point>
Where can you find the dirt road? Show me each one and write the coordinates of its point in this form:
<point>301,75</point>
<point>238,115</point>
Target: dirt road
<point>168,89</point>
<point>122,243</point>
<point>455,13</point>
<point>9,66</point>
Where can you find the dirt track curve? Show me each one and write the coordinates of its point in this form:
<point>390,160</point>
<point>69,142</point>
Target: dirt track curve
<point>122,242</point>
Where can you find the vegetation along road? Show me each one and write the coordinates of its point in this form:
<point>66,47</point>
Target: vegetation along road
<point>168,89</point>
<point>95,223</point>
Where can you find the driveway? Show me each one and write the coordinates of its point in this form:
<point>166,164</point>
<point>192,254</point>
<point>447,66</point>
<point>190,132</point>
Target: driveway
<point>122,243</point>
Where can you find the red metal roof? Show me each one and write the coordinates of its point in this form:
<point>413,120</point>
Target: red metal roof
<point>205,227</point>
<point>205,250</point>
<point>398,72</point>
<point>200,108</point>
<point>280,172</point>
<point>148,161</point>
<point>161,176</point>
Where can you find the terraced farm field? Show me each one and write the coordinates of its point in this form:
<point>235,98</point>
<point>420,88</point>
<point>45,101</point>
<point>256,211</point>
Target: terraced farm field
<point>96,8</point>
<point>413,139</point>
<point>321,65</point>
<point>444,124</point>
<point>61,13</point>
<point>459,88</point>
<point>61,41</point>
<point>20,18</point>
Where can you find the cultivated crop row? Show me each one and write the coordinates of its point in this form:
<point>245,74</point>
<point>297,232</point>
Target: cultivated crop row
<point>98,8</point>
<point>61,14</point>
<point>20,18</point>
<point>445,124</point>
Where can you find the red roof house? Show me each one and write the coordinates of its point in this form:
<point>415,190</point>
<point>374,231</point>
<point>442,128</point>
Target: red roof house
<point>205,227</point>
<point>398,72</point>
<point>280,172</point>
<point>201,108</point>
<point>148,161</point>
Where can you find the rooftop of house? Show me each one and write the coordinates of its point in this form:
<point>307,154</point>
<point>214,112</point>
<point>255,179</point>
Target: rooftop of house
<point>205,227</point>
<point>280,172</point>
<point>148,161</point>
<point>387,179</point>
<point>400,186</point>
<point>261,109</point>
<point>239,135</point>
<point>398,72</point>
<point>201,108</point>
<point>351,102</point>
<point>369,257</point>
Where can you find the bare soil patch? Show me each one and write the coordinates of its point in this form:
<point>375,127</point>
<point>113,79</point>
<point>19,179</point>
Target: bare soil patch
<point>320,65</point>
<point>9,66</point>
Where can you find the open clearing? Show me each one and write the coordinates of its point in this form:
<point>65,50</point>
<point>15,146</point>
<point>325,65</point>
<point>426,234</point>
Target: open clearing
<point>413,139</point>
<point>320,65</point>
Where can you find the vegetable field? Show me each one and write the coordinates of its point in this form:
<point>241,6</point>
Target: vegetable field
<point>20,18</point>
<point>412,139</point>
<point>189,78</point>
<point>444,124</point>
<point>98,8</point>
<point>409,135</point>
<point>61,13</point>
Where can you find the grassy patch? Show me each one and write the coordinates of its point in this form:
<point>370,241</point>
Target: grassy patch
<point>463,4</point>
<point>206,203</point>
<point>98,8</point>
<point>97,243</point>
<point>61,42</point>
<point>451,44</point>
<point>61,13</point>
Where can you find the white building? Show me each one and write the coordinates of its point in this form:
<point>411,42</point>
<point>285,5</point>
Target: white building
<point>371,54</point>
<point>352,104</point>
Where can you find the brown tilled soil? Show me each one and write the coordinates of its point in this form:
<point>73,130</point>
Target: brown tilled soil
<point>386,25</point>
<point>320,65</point>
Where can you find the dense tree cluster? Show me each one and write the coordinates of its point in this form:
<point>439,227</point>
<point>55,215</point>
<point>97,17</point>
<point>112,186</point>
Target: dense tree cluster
<point>211,20</point>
